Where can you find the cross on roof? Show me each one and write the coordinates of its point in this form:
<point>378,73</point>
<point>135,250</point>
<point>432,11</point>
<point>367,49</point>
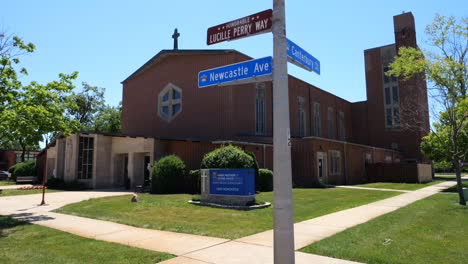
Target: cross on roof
<point>175,36</point>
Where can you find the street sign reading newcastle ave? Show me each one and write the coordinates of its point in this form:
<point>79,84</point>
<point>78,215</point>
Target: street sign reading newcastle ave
<point>302,58</point>
<point>243,27</point>
<point>235,72</point>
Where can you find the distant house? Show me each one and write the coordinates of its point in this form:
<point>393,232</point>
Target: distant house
<point>9,157</point>
<point>164,112</point>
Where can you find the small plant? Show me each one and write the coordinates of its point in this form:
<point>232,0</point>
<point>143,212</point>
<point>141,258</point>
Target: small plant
<point>196,198</point>
<point>264,182</point>
<point>168,175</point>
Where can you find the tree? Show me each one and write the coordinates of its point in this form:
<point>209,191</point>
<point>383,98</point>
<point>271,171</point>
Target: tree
<point>446,69</point>
<point>39,110</point>
<point>108,120</point>
<point>29,112</point>
<point>84,105</point>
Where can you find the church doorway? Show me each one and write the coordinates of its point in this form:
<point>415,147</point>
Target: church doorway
<point>322,167</point>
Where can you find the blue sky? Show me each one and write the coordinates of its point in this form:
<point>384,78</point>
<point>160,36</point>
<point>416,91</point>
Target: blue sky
<point>106,41</point>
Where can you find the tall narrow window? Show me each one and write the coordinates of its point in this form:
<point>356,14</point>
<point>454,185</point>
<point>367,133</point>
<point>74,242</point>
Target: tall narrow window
<point>341,126</point>
<point>85,158</point>
<point>301,116</point>
<point>331,123</point>
<point>318,122</point>
<point>260,115</point>
<point>390,92</point>
<point>335,162</point>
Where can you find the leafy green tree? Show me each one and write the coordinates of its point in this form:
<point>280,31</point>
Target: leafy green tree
<point>108,119</point>
<point>446,69</point>
<point>39,110</point>
<point>84,105</point>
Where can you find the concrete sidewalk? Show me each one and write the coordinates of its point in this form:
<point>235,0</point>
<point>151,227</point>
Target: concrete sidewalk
<point>194,249</point>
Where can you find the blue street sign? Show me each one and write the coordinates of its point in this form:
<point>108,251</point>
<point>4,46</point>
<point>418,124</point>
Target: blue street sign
<point>237,182</point>
<point>302,58</point>
<point>235,72</point>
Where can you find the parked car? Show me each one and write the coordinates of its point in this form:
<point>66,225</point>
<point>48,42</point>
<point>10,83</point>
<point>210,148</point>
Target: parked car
<point>4,175</point>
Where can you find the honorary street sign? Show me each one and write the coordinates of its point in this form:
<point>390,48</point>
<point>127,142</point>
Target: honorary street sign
<point>243,27</point>
<point>235,72</point>
<point>302,58</point>
<point>237,182</point>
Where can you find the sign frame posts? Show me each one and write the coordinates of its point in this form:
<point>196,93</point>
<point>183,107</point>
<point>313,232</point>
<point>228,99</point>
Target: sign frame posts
<point>283,233</point>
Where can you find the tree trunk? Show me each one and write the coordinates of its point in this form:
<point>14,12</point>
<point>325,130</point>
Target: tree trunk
<point>459,182</point>
<point>23,150</point>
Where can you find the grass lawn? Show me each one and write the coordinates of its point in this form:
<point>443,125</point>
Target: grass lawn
<point>3,183</point>
<point>173,213</point>
<point>12,192</point>
<point>22,242</point>
<point>433,230</point>
<point>399,186</point>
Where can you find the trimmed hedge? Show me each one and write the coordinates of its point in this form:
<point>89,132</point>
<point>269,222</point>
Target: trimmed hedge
<point>27,168</point>
<point>264,182</point>
<point>228,157</point>
<point>56,183</point>
<point>195,179</point>
<point>168,175</point>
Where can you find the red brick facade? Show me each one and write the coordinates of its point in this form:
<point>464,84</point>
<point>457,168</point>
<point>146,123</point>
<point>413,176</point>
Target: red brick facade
<point>228,113</point>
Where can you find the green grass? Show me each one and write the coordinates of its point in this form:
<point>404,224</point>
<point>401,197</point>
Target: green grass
<point>4,183</point>
<point>13,192</point>
<point>173,213</point>
<point>21,242</point>
<point>399,186</point>
<point>433,230</point>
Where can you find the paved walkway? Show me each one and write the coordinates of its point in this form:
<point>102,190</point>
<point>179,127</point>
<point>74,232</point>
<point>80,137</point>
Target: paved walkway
<point>194,249</point>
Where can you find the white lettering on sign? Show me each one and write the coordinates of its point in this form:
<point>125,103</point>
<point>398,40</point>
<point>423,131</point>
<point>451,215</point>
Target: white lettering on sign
<point>262,24</point>
<point>240,71</point>
<point>303,57</point>
<point>261,67</point>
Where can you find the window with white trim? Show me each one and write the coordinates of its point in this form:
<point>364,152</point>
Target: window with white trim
<point>301,116</point>
<point>341,126</point>
<point>335,162</point>
<point>317,120</point>
<point>85,157</point>
<point>331,123</point>
<point>170,102</point>
<point>260,116</point>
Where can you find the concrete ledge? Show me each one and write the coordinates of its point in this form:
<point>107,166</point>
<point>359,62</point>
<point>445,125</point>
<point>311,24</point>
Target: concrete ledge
<point>235,207</point>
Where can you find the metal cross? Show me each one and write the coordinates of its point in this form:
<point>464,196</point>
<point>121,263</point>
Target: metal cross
<point>175,36</point>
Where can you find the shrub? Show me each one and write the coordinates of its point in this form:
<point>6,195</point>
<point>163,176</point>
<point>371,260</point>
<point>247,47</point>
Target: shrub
<point>228,157</point>
<point>195,180</point>
<point>168,175</point>
<point>27,168</point>
<point>264,182</point>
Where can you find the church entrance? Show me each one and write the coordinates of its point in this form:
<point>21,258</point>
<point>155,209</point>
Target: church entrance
<point>322,167</point>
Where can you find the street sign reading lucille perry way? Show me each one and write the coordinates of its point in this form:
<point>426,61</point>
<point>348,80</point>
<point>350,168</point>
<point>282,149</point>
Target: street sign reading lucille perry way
<point>235,72</point>
<point>302,58</point>
<point>243,27</point>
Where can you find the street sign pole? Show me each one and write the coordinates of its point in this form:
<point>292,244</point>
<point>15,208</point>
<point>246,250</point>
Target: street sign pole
<point>282,182</point>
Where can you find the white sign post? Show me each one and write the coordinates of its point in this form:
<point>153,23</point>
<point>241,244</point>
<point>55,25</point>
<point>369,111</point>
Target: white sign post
<point>282,182</point>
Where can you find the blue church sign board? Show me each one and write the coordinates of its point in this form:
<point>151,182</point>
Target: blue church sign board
<point>244,71</point>
<point>235,182</point>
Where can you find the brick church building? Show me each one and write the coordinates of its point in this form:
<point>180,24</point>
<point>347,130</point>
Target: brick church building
<point>332,140</point>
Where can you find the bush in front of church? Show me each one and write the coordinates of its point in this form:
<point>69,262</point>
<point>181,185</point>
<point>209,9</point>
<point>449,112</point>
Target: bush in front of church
<point>168,175</point>
<point>26,168</point>
<point>264,181</point>
<point>228,157</point>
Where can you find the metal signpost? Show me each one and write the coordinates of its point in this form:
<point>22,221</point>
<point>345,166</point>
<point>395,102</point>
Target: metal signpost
<point>302,58</point>
<point>235,73</point>
<point>260,70</point>
<point>240,28</point>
